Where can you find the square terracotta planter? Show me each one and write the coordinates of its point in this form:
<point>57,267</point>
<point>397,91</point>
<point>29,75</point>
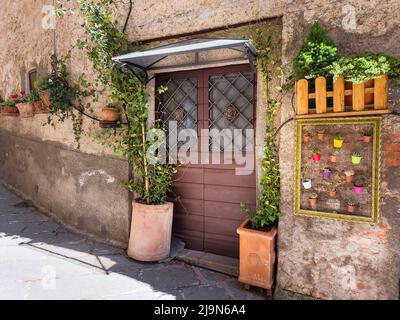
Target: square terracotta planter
<point>257,256</point>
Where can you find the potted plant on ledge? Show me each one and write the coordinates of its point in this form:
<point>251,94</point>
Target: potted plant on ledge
<point>8,108</point>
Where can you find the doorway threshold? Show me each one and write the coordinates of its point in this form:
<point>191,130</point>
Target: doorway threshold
<point>214,262</point>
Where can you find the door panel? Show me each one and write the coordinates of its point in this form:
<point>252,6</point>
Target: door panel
<point>207,197</point>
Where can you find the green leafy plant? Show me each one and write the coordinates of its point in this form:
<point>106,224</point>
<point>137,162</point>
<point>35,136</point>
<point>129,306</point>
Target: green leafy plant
<point>313,195</point>
<point>8,103</point>
<point>360,68</point>
<point>42,83</point>
<point>356,154</point>
<point>394,72</point>
<point>338,137</point>
<point>351,203</point>
<point>33,96</point>
<point>316,55</point>
<point>315,151</point>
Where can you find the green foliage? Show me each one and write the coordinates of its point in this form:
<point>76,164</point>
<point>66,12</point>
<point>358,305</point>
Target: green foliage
<point>8,103</point>
<point>316,55</point>
<point>360,68</point>
<point>152,181</point>
<point>42,83</point>
<point>32,96</point>
<point>268,202</point>
<point>394,72</point>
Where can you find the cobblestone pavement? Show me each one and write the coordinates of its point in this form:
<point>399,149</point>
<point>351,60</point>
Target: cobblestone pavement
<point>39,259</point>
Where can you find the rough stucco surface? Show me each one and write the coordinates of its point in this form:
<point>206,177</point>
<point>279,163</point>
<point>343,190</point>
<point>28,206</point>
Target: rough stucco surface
<point>317,257</point>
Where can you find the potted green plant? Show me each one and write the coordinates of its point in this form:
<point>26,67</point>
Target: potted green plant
<point>110,113</point>
<point>358,186</point>
<point>312,200</point>
<point>334,155</point>
<point>356,157</point>
<point>24,106</point>
<point>316,55</point>
<point>38,105</point>
<point>327,173</point>
<point>42,85</point>
<point>8,108</point>
<point>351,206</point>
<point>338,141</point>
<point>367,136</point>
<point>349,175</point>
<point>360,68</point>
<point>321,135</point>
<point>316,155</point>
<point>306,136</point>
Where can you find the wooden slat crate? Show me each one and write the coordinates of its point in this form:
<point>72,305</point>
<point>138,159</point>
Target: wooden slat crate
<point>346,98</point>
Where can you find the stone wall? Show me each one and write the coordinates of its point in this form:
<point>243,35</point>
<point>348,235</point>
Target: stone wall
<point>315,255</point>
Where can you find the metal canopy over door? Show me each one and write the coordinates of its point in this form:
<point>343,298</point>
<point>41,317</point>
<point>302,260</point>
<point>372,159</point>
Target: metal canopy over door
<point>207,197</point>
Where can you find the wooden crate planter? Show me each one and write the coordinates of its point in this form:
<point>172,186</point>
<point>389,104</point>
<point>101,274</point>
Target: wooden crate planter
<point>348,98</point>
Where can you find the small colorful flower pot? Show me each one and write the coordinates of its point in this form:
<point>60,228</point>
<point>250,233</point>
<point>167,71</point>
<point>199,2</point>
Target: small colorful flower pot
<point>356,159</point>
<point>313,203</point>
<point>327,174</point>
<point>337,143</point>
<point>349,179</point>
<point>332,194</point>
<point>306,138</point>
<point>367,138</point>
<point>307,184</point>
<point>321,136</point>
<point>333,158</point>
<point>358,190</point>
<point>316,156</point>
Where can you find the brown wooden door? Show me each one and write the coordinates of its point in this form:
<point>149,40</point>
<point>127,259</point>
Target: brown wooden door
<point>207,196</point>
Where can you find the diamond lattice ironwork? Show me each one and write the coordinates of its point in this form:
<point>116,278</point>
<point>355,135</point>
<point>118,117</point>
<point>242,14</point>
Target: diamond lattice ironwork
<point>231,104</point>
<point>178,103</point>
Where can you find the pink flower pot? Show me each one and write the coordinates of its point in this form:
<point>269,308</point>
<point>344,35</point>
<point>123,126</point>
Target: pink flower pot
<point>316,156</point>
<point>358,190</point>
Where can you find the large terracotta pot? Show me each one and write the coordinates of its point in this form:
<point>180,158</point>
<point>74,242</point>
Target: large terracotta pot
<point>40,107</point>
<point>25,109</point>
<point>151,227</point>
<point>257,256</point>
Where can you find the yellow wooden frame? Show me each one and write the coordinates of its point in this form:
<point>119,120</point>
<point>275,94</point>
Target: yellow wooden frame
<point>376,160</point>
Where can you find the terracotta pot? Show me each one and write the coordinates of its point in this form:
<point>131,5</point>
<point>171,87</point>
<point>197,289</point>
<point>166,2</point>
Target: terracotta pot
<point>333,158</point>
<point>10,111</point>
<point>306,138</point>
<point>321,136</point>
<point>332,194</point>
<point>316,156</point>
<point>25,109</point>
<point>367,139</point>
<point>151,227</point>
<point>257,256</point>
<point>109,114</point>
<point>40,107</point>
<point>44,96</point>
<point>349,179</point>
<point>312,202</point>
<point>351,209</point>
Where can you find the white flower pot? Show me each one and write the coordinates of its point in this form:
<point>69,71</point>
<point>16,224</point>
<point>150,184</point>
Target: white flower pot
<point>307,184</point>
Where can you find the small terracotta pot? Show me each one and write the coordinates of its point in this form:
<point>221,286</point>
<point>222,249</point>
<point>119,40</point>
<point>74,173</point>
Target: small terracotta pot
<point>351,209</point>
<point>349,179</point>
<point>151,227</point>
<point>10,111</point>
<point>257,256</point>
<point>332,194</point>
<point>367,139</point>
<point>306,138</point>
<point>316,156</point>
<point>109,114</point>
<point>312,202</point>
<point>321,136</point>
<point>25,109</point>
<point>333,158</point>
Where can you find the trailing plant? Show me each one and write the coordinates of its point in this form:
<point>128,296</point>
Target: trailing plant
<point>360,68</point>
<point>105,41</point>
<point>316,55</point>
<point>268,202</point>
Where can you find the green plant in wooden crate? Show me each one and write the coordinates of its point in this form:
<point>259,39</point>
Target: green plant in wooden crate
<point>356,157</point>
<point>360,68</point>
<point>316,55</point>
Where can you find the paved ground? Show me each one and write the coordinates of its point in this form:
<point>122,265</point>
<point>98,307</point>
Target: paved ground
<point>41,260</point>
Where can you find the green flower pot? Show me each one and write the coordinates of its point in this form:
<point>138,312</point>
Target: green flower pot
<point>356,159</point>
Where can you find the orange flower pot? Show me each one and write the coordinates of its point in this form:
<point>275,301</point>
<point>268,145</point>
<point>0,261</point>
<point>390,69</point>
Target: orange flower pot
<point>109,114</point>
<point>25,109</point>
<point>306,138</point>
<point>321,136</point>
<point>332,194</point>
<point>351,209</point>
<point>367,139</point>
<point>312,202</point>
<point>151,227</point>
<point>45,98</point>
<point>40,107</point>
<point>333,159</point>
<point>10,111</point>
<point>349,179</point>
<point>257,256</point>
